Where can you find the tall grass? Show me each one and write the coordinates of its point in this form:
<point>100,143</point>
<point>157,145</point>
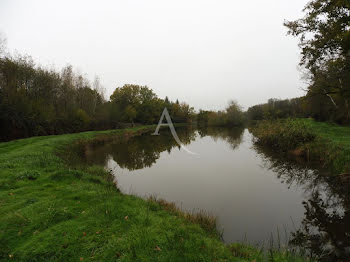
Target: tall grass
<point>283,135</point>
<point>325,143</point>
<point>206,220</point>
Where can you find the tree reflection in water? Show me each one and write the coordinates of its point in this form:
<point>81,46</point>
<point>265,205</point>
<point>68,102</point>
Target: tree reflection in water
<point>325,228</point>
<point>233,136</point>
<point>138,152</point>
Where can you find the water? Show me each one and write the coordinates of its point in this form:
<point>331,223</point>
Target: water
<point>253,192</point>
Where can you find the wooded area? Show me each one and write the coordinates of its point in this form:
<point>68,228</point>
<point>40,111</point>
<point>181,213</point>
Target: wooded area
<point>38,101</point>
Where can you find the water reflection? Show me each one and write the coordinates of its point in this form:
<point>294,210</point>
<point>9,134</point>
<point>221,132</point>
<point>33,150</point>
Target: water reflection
<point>325,227</point>
<point>141,151</point>
<point>233,136</point>
<point>251,189</point>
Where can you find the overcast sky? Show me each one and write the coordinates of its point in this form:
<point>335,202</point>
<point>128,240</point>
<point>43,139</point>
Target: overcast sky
<point>199,51</point>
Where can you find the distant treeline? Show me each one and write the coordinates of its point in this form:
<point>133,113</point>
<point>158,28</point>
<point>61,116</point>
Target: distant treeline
<point>231,116</point>
<point>38,101</point>
<point>276,108</point>
<point>316,107</point>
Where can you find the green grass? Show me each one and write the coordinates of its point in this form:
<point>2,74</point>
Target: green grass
<point>52,211</point>
<point>318,141</point>
<point>332,132</point>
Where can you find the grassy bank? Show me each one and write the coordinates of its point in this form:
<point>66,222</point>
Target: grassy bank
<point>53,211</point>
<point>329,144</point>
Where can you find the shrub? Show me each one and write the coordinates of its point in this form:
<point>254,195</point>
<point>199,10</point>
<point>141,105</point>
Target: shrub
<point>283,134</point>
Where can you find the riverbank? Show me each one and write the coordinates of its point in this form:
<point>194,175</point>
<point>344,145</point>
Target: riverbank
<point>325,143</point>
<point>55,211</point>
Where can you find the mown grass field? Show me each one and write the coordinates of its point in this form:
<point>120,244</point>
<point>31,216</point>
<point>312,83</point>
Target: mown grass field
<point>51,211</point>
<point>319,141</point>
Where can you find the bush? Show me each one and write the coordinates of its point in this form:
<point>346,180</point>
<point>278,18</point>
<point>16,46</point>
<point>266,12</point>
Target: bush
<point>283,135</point>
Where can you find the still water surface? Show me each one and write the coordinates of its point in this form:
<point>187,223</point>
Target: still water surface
<point>253,192</point>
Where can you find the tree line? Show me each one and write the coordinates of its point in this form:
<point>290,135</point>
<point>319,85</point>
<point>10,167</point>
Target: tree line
<point>278,108</point>
<point>38,101</point>
<point>232,116</point>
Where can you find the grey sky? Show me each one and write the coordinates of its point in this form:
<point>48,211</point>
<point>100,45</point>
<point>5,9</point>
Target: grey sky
<point>199,51</point>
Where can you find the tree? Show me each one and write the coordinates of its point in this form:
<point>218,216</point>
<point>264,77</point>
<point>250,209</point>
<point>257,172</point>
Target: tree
<point>166,100</point>
<point>82,119</point>
<point>324,34</point>
<point>234,114</point>
<point>3,43</point>
<point>130,113</point>
<point>138,100</point>
<point>231,116</point>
